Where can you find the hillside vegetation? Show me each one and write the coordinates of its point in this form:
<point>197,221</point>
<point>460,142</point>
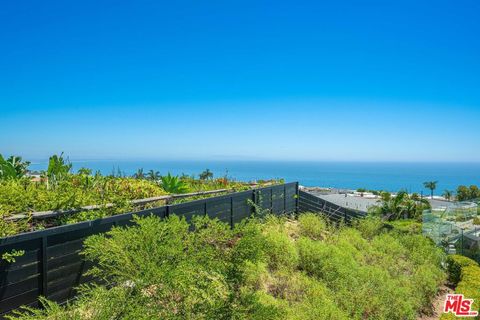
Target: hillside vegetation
<point>273,268</point>
<point>59,188</point>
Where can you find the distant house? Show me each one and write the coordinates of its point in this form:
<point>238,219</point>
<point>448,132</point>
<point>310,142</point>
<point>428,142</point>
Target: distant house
<point>36,177</point>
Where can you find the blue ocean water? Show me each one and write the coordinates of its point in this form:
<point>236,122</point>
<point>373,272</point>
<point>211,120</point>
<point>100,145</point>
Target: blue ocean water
<point>391,176</point>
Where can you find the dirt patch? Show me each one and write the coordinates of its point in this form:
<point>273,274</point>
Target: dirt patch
<point>437,304</point>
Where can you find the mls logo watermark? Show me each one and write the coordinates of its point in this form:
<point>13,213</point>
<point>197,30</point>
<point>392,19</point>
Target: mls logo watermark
<point>459,306</point>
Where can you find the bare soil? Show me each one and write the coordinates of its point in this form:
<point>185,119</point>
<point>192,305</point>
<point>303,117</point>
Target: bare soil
<point>437,304</point>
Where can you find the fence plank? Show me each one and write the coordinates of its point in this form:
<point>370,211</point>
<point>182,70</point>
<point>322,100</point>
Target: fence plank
<point>52,265</point>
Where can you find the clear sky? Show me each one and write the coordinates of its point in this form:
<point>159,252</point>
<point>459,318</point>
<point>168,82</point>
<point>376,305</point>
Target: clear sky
<point>343,80</point>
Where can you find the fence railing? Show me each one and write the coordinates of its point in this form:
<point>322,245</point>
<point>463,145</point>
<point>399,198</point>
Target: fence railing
<point>309,202</point>
<point>53,267</point>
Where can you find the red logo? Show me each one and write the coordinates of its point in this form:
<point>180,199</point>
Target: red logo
<point>459,306</point>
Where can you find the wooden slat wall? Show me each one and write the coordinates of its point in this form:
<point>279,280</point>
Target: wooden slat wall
<point>52,265</point>
<point>311,203</point>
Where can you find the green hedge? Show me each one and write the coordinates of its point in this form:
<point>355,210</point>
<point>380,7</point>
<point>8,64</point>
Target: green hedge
<point>455,264</point>
<point>465,274</point>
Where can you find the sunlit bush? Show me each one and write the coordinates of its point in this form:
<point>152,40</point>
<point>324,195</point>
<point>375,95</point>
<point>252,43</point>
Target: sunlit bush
<point>170,269</point>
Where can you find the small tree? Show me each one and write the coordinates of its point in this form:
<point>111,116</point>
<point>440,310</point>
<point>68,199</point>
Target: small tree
<point>153,175</point>
<point>432,185</point>
<point>58,169</point>
<point>13,167</point>
<point>173,184</point>
<point>447,194</point>
<point>139,174</point>
<point>463,193</point>
<point>474,192</point>
<point>206,175</point>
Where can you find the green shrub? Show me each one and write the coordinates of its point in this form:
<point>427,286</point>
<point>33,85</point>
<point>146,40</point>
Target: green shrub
<point>469,284</point>
<point>170,269</point>
<point>312,225</point>
<point>306,297</point>
<point>455,264</point>
<point>280,250</point>
<point>370,226</point>
<point>466,273</point>
<point>392,281</point>
<point>476,221</point>
<point>408,226</point>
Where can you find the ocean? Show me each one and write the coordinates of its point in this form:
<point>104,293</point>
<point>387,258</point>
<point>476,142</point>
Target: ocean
<point>391,176</point>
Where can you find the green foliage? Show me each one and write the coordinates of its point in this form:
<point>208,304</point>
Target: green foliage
<point>9,228</point>
<point>400,206</point>
<point>476,221</point>
<point>408,226</point>
<point>369,227</point>
<point>312,225</point>
<point>455,264</point>
<point>465,193</point>
<point>58,169</point>
<point>464,273</point>
<point>173,184</point>
<point>153,175</point>
<point>206,175</point>
<point>469,285</point>
<point>12,168</point>
<point>272,268</point>
<point>431,185</point>
<point>60,189</point>
<point>10,256</point>
<point>279,249</point>
<point>447,194</point>
<point>73,191</point>
<point>382,276</point>
<point>139,174</point>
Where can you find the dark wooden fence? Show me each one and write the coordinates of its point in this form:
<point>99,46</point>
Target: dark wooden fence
<point>311,203</point>
<point>52,266</point>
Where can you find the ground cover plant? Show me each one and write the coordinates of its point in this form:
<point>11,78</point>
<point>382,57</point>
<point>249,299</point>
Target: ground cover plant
<point>268,268</point>
<point>59,188</point>
<point>464,275</point>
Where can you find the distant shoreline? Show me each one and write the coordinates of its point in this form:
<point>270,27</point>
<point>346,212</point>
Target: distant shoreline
<point>342,175</point>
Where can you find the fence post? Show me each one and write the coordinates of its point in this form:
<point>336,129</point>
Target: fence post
<point>297,195</point>
<point>231,212</point>
<point>284,198</point>
<point>462,241</point>
<point>271,201</point>
<point>254,199</point>
<point>44,267</point>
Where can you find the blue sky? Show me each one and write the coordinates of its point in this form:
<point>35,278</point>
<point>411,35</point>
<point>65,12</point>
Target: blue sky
<point>344,80</point>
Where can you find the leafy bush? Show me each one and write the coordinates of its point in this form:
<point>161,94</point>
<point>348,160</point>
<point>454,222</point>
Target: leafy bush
<point>173,184</point>
<point>312,226</point>
<point>370,226</point>
<point>59,189</point>
<point>12,168</point>
<point>400,206</point>
<point>455,265</point>
<point>469,286</point>
<point>280,250</point>
<point>377,278</point>
<point>170,269</point>
<point>476,221</point>
<point>465,274</point>
<point>406,226</point>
